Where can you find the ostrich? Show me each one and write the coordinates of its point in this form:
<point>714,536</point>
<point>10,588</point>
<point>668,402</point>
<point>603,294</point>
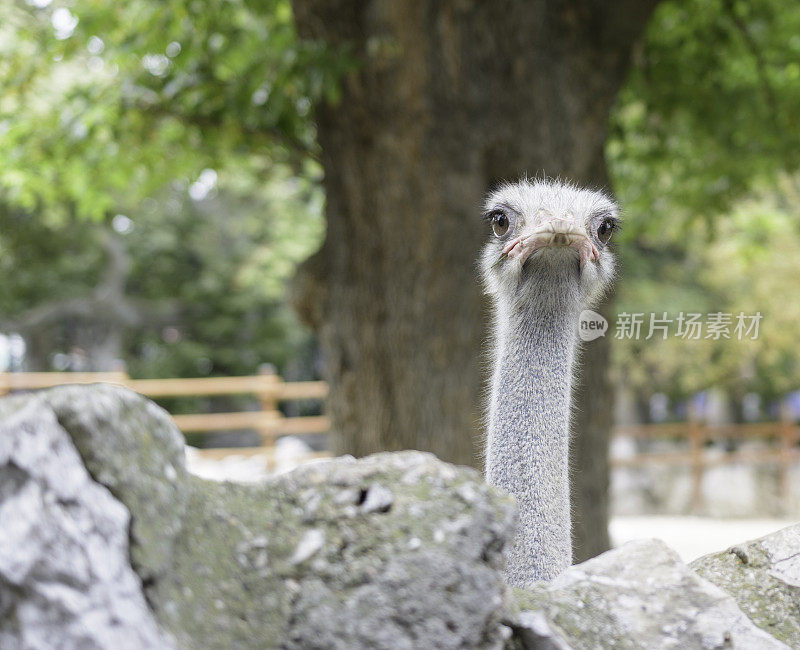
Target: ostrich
<point>547,260</point>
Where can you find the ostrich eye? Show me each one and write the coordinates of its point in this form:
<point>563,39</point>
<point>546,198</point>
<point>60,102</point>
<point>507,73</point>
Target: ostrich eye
<point>500,224</point>
<point>605,230</point>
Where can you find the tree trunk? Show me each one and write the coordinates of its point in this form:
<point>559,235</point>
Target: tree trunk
<point>449,98</point>
<point>591,425</point>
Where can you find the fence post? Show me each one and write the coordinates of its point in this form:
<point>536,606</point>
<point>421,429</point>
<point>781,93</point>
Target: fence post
<point>268,402</point>
<point>121,367</point>
<point>696,440</point>
<point>787,436</point>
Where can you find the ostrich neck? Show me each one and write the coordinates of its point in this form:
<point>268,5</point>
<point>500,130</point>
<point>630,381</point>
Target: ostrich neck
<point>528,436</point>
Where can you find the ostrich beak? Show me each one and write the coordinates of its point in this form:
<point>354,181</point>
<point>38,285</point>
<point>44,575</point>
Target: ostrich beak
<point>553,233</point>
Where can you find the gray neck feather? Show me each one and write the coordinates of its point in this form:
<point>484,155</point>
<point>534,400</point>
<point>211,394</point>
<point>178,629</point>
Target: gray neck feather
<point>528,434</point>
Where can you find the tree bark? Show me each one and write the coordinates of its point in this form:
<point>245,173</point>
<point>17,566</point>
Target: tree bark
<point>591,427</point>
<point>449,97</point>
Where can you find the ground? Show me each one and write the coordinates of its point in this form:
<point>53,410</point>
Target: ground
<point>692,537</point>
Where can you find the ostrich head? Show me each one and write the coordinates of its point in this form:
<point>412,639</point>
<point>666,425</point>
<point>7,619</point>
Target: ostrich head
<point>549,244</point>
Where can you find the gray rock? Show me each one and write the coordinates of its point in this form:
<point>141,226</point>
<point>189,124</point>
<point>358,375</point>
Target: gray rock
<point>131,446</point>
<point>377,499</point>
<point>65,575</point>
<point>763,576</point>
<point>640,595</point>
<point>107,542</point>
<point>376,553</point>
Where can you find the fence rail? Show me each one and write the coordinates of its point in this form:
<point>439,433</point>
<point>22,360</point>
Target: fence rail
<point>784,452</point>
<point>269,389</point>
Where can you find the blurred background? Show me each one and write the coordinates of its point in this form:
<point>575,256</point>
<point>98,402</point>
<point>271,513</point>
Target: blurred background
<point>290,192</point>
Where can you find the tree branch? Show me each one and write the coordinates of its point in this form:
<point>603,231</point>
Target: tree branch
<point>106,303</point>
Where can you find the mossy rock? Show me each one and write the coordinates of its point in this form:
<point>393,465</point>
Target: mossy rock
<point>393,551</point>
<point>640,595</point>
<point>763,576</point>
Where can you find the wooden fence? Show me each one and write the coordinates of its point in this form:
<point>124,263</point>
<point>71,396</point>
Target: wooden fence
<point>269,389</point>
<point>783,451</point>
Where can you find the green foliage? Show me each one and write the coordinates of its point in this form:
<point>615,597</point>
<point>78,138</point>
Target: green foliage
<point>205,277</point>
<point>102,102</point>
<point>710,110</point>
<point>28,249</point>
<point>118,108</point>
<point>227,260</point>
<point>747,266</point>
<point>704,145</point>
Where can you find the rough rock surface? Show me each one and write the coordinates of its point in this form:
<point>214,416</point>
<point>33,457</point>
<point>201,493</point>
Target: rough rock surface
<point>107,542</point>
<point>640,595</point>
<point>130,446</point>
<point>65,574</point>
<point>763,576</point>
<point>394,551</point>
